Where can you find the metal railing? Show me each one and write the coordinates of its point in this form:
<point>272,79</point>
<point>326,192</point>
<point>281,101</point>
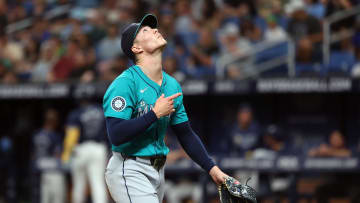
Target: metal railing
<point>250,57</point>
<point>330,38</point>
<point>25,23</point>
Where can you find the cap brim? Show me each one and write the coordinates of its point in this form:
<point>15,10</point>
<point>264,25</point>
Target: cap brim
<point>148,20</point>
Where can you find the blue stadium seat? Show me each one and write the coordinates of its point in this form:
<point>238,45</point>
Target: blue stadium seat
<point>341,62</point>
<point>308,69</point>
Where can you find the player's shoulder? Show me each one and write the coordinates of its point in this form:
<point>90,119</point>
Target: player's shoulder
<point>126,78</point>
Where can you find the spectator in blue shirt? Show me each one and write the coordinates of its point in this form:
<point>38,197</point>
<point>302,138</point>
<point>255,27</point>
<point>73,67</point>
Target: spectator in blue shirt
<point>110,46</point>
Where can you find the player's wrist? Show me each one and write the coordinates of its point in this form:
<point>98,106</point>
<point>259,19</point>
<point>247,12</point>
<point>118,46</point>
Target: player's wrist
<point>156,113</point>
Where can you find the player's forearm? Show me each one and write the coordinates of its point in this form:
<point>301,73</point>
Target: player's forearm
<point>71,139</point>
<point>121,131</point>
<point>188,140</point>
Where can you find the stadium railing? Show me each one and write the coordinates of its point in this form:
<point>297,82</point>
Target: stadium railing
<point>330,38</point>
<point>262,57</point>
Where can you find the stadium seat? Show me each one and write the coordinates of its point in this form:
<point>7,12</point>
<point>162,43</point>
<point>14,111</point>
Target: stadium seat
<point>340,63</point>
<point>308,69</point>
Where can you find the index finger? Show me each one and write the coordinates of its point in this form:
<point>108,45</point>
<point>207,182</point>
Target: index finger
<point>174,96</point>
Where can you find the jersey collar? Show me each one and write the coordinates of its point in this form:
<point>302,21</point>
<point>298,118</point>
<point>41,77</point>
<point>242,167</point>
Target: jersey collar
<point>148,80</point>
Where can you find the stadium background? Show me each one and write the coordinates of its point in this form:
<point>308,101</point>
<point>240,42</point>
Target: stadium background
<point>291,63</point>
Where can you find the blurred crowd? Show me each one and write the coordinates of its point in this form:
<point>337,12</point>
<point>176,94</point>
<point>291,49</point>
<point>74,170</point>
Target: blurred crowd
<point>45,41</point>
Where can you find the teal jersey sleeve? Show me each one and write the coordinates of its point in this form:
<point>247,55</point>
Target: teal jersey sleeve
<point>119,99</point>
<point>179,116</point>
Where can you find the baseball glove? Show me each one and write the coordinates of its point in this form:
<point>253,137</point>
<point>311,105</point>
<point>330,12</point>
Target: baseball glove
<point>231,191</point>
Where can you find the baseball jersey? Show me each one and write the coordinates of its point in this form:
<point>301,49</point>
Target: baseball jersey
<point>90,119</point>
<point>46,146</point>
<point>132,94</point>
<point>46,143</point>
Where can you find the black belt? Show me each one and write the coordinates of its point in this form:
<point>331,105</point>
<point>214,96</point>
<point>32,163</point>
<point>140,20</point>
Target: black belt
<point>156,161</point>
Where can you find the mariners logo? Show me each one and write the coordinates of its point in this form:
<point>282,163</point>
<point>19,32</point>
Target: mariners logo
<point>118,103</point>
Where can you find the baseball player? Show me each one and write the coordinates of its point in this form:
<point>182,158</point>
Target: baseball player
<point>86,152</point>
<point>46,153</point>
<point>139,105</point>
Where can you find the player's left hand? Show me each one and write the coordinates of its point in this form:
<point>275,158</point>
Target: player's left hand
<point>217,175</point>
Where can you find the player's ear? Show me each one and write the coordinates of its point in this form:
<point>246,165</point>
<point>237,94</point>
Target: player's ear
<point>136,49</point>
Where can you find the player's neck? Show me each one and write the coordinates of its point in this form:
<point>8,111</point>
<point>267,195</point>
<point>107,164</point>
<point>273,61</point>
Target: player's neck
<point>152,67</point>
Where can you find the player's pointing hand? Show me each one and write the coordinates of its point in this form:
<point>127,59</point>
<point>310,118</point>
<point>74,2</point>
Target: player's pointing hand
<point>174,96</point>
<point>165,105</point>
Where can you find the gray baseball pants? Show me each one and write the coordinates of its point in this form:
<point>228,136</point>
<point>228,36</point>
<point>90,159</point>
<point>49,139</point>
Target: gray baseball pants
<point>134,181</point>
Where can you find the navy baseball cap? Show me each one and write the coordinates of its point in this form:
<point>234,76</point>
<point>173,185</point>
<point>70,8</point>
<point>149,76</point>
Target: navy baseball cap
<point>130,32</point>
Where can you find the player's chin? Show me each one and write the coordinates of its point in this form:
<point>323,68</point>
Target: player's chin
<point>163,44</point>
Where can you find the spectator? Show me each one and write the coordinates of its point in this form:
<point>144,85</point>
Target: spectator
<point>82,69</point>
<point>97,26</point>
<point>203,55</point>
<point>110,46</point>
<point>334,148</point>
<point>62,69</point>
<point>307,33</point>
<point>339,184</point>
<point>315,8</point>
<point>171,68</point>
<point>11,50</point>
<point>10,78</point>
<point>40,30</point>
<point>31,48</point>
<point>46,61</point>
<point>4,68</point>
<point>46,153</point>
<point>251,31</point>
<point>233,46</point>
<point>274,32</point>
<point>166,19</point>
<point>17,13</point>
<point>183,22</point>
<point>23,70</point>
<point>109,70</point>
<point>211,14</point>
